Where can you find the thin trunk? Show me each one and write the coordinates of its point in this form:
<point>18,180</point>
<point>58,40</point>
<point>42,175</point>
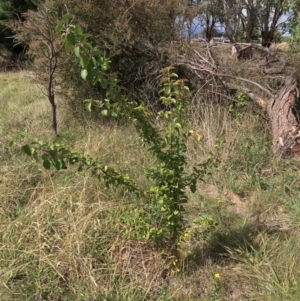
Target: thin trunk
<point>50,92</point>
<point>209,29</point>
<point>54,119</point>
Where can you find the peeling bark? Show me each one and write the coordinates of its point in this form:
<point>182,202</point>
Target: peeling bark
<point>285,125</point>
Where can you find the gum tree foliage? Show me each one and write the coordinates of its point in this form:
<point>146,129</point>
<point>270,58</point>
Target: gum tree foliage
<point>231,18</point>
<point>269,18</point>
<point>245,15</point>
<point>249,18</point>
<point>202,14</point>
<point>295,27</point>
<point>252,14</point>
<point>212,14</point>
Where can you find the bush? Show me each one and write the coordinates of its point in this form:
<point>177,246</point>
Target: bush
<point>166,192</point>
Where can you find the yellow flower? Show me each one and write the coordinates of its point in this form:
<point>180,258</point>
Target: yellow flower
<point>217,276</point>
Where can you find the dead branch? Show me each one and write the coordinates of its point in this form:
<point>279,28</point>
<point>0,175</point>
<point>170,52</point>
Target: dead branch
<point>270,71</point>
<point>260,101</point>
<point>246,80</point>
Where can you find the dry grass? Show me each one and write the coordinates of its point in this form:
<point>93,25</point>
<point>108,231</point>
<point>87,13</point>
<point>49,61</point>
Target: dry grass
<point>64,236</point>
<point>284,46</point>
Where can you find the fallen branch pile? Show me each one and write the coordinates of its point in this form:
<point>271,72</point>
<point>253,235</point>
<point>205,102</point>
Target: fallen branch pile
<point>260,73</point>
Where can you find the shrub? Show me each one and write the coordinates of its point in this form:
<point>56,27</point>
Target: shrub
<point>168,178</point>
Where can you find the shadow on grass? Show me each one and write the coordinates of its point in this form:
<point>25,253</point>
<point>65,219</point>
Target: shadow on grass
<point>222,244</point>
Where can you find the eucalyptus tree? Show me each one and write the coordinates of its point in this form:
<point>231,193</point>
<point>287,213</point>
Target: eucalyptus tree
<point>249,18</point>
<point>272,14</point>
<point>208,15</point>
<point>231,18</point>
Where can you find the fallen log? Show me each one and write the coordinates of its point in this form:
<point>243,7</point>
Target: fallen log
<point>282,113</point>
<point>284,121</point>
<point>281,104</point>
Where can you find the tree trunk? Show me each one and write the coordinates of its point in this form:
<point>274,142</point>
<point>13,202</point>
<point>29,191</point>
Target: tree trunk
<point>267,37</point>
<point>284,121</point>
<point>209,29</point>
<point>54,119</point>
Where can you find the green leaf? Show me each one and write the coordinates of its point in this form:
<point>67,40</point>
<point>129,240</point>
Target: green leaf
<point>83,61</point>
<point>58,29</point>
<point>91,71</point>
<point>27,149</point>
<point>67,46</point>
<point>67,17</point>
<point>105,65</point>
<point>78,31</point>
<point>104,112</point>
<point>88,106</point>
<point>93,62</point>
<point>193,188</point>
<point>71,39</point>
<point>164,80</point>
<point>40,142</point>
<point>46,164</point>
<point>77,51</point>
<point>87,45</point>
<point>104,83</point>
<point>84,74</point>
<point>57,164</point>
